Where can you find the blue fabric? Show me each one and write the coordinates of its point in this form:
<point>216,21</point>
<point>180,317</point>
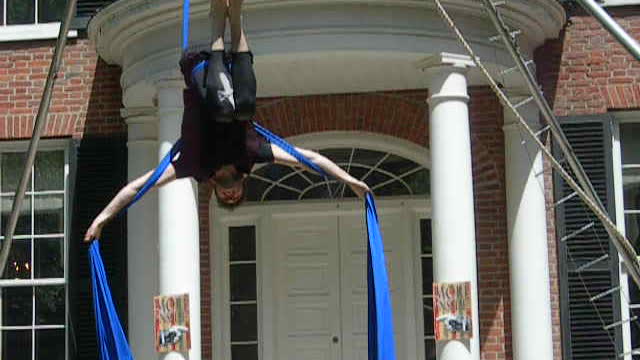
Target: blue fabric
<point>381,343</point>
<point>185,24</point>
<point>380,335</point>
<point>275,139</point>
<point>157,173</point>
<point>111,339</point>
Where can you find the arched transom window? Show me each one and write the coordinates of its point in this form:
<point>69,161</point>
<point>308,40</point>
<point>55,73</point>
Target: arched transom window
<point>386,174</point>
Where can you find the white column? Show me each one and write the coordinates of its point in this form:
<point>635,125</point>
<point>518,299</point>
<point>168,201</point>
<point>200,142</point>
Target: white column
<point>528,253</point>
<point>454,238</point>
<point>142,232</point>
<point>178,238</point>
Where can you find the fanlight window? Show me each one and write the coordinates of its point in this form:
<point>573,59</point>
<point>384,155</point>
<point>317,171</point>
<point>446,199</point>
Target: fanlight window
<point>385,173</point>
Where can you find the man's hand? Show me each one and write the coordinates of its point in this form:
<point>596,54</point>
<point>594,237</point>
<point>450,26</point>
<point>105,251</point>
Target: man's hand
<point>94,231</point>
<point>359,187</point>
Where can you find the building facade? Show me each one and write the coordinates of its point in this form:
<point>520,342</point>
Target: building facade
<point>384,90</point>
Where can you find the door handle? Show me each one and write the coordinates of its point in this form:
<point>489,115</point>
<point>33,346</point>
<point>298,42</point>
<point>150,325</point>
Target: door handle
<point>335,339</point>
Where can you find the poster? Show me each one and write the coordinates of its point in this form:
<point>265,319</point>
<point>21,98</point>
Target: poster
<point>452,312</point>
<point>171,323</point>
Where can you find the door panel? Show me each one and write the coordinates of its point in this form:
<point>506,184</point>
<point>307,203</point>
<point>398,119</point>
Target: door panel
<point>306,285</point>
<point>353,244</point>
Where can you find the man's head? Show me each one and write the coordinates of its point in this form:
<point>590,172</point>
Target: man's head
<point>229,187</point>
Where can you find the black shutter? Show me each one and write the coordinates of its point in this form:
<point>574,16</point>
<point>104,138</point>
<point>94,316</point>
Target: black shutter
<point>583,334</point>
<point>85,9</point>
<point>98,173</point>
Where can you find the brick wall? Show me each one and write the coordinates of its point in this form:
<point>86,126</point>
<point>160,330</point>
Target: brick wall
<point>86,98</point>
<point>403,115</point>
<point>585,71</point>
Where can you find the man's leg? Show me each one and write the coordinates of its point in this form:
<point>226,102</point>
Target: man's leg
<point>214,82</point>
<point>242,74</point>
<point>219,9</point>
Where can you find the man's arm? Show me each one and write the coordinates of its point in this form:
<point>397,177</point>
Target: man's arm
<point>282,157</point>
<point>122,199</point>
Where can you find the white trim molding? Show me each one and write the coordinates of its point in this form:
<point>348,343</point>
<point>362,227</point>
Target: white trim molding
<point>46,31</point>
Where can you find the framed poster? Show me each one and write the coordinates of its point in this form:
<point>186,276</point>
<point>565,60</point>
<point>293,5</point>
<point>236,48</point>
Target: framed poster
<point>171,323</point>
<point>452,314</point>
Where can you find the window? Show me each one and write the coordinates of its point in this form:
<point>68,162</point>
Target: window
<point>29,12</point>
<point>243,296</point>
<point>385,173</point>
<point>426,265</point>
<point>33,288</point>
<point>630,147</point>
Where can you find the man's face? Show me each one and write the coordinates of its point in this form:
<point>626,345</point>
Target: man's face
<point>229,185</point>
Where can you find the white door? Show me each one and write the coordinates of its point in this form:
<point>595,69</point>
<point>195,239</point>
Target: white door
<point>306,286</point>
<point>321,282</point>
<point>353,242</point>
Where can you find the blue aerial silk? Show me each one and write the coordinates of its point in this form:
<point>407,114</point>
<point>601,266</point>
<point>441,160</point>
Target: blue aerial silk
<point>112,341</point>
<point>380,316</point>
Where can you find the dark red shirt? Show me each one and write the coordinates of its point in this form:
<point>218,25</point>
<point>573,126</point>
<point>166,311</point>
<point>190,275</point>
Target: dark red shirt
<point>208,145</point>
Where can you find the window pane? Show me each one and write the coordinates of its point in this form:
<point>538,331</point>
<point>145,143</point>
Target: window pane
<point>428,316</point>
<point>430,349</point>
<point>243,282</point>
<point>425,236</point>
<point>244,352</point>
<point>630,141</point>
<point>48,214</point>
<point>16,306</point>
<point>278,193</point>
<point>50,305</point>
<point>242,243</point>
<point>419,182</point>
<point>50,344</point>
<point>49,169</point>
<point>50,10</point>
<point>1,12</point>
<point>23,226</point>
<point>376,178</point>
<point>244,323</point>
<point>48,258</point>
<point>632,225</point>
<point>20,12</point>
<point>398,165</point>
<point>368,157</point>
<point>12,167</point>
<point>631,180</point>
<point>427,276</point>
<point>255,188</point>
<point>19,262</point>
<point>16,345</point>
<point>395,188</point>
<point>297,182</point>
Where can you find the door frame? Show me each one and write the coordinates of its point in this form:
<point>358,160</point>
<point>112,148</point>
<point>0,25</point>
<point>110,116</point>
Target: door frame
<point>415,208</point>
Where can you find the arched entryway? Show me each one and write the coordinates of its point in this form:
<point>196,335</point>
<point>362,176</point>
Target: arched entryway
<point>290,265</point>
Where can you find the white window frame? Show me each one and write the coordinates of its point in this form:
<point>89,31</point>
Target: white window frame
<point>35,31</point>
<point>612,3</point>
<point>625,117</point>
<point>47,145</point>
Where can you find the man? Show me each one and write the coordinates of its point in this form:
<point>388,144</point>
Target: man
<point>220,142</point>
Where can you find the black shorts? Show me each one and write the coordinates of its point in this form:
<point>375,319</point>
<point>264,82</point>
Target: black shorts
<point>226,85</point>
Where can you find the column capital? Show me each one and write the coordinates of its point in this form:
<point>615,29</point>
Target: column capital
<point>446,60</point>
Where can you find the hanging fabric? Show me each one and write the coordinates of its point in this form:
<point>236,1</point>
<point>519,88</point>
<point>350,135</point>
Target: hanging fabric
<point>380,316</point>
<point>111,339</point>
